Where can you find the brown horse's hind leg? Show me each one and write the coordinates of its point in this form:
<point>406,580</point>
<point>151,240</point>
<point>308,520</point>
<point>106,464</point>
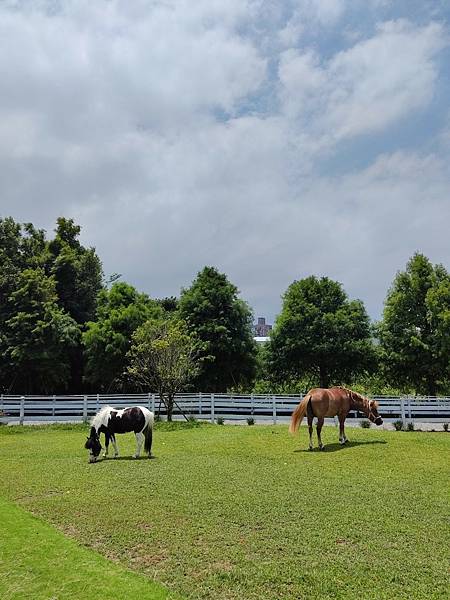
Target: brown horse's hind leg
<point>342,437</point>
<point>310,416</point>
<point>319,431</point>
<point>310,429</point>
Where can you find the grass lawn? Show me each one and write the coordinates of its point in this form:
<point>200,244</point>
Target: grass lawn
<point>39,562</point>
<point>245,513</point>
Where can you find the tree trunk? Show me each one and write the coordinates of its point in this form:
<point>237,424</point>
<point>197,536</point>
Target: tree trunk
<point>324,377</point>
<point>431,387</point>
<point>169,407</point>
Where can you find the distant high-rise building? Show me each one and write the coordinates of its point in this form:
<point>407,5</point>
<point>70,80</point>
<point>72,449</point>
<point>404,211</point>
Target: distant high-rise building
<point>262,329</point>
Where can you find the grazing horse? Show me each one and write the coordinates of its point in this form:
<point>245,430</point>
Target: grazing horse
<point>111,421</point>
<point>321,403</point>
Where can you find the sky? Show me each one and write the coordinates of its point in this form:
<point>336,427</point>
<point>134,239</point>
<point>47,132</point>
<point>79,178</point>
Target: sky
<point>272,139</point>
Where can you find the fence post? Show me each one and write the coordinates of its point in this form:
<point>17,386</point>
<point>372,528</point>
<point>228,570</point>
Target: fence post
<point>22,410</point>
<point>402,409</point>
<point>1,403</point>
<point>153,403</point>
<point>98,402</point>
<point>85,409</point>
<point>252,404</point>
<point>200,404</point>
<point>53,405</point>
<point>409,409</point>
<point>274,410</point>
<point>212,408</point>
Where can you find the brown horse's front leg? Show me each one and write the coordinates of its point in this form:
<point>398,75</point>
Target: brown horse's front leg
<point>342,437</point>
<point>319,431</point>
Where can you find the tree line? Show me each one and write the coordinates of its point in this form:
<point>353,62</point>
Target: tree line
<point>65,329</point>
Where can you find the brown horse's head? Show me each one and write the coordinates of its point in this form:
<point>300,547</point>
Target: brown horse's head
<point>373,413</point>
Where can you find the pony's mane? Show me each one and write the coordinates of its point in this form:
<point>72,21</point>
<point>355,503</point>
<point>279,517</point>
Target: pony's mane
<point>97,419</point>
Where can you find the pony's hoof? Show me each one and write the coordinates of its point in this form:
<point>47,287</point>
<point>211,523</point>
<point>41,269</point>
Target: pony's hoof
<point>310,448</point>
<point>322,447</point>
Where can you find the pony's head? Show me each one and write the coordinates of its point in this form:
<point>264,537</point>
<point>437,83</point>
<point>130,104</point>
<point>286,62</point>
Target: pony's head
<point>93,445</point>
<point>373,413</point>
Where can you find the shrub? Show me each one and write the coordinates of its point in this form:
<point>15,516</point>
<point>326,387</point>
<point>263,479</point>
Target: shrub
<point>365,424</point>
<point>410,426</point>
<point>445,426</point>
<point>398,425</point>
<point>250,421</point>
<point>220,421</point>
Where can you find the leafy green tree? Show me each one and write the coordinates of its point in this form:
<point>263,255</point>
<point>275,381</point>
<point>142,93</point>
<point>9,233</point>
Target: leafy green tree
<point>21,247</point>
<point>77,271</point>
<point>37,336</point>
<point>223,323</point>
<point>164,357</point>
<point>120,311</point>
<point>415,330</point>
<point>78,275</point>
<point>320,334</point>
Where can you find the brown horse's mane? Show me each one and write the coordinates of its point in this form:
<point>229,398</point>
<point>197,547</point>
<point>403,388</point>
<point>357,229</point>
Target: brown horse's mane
<point>358,397</point>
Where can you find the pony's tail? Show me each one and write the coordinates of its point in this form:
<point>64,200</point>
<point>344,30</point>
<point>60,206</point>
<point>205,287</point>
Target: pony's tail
<point>298,414</point>
<point>148,435</point>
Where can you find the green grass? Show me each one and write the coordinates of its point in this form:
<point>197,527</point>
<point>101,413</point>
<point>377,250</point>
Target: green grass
<point>37,562</point>
<point>246,513</point>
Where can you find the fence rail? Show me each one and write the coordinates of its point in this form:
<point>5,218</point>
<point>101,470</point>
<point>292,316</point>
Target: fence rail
<point>270,408</point>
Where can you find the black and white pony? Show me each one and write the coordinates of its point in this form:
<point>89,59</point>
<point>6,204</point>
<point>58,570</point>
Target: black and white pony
<point>110,420</point>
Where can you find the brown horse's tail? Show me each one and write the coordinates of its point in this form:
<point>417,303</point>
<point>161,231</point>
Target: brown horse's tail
<point>298,414</point>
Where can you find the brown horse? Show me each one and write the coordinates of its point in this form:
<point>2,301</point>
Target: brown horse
<point>321,403</point>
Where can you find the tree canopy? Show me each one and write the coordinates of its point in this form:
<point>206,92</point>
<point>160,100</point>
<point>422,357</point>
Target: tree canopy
<point>64,328</point>
<point>320,333</point>
<point>223,323</point>
<point>415,330</point>
<point>164,357</point>
<point>120,311</point>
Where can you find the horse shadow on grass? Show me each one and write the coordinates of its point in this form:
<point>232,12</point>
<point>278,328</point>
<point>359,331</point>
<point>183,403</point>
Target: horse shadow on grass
<point>336,447</point>
<point>131,458</point>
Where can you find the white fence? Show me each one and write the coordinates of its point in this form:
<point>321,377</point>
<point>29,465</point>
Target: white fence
<point>210,407</point>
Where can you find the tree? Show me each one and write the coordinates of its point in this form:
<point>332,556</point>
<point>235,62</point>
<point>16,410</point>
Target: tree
<point>415,330</point>
<point>120,311</point>
<point>77,271</point>
<point>164,357</point>
<point>223,323</point>
<point>37,336</point>
<point>320,334</point>
<point>21,247</point>
<point>78,274</point>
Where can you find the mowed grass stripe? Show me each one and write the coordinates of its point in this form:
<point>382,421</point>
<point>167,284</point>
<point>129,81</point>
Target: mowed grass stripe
<point>38,562</point>
<point>246,513</point>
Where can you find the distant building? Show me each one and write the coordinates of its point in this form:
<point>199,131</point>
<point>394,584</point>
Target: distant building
<point>262,329</point>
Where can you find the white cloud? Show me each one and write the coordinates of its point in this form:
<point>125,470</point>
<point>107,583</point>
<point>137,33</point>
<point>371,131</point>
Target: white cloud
<point>366,88</point>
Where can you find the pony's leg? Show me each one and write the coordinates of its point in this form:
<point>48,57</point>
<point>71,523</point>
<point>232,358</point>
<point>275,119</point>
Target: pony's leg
<point>310,429</point>
<point>139,441</point>
<point>114,443</point>
<point>107,437</point>
<point>342,436</point>
<point>320,421</point>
